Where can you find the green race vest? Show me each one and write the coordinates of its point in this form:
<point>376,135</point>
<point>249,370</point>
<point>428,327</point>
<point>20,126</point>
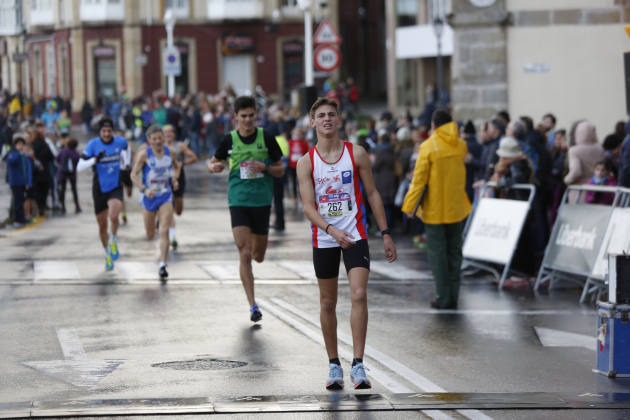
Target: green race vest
<point>244,189</point>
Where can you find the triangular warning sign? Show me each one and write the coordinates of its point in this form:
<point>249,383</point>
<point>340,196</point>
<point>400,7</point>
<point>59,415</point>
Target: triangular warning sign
<point>326,34</point>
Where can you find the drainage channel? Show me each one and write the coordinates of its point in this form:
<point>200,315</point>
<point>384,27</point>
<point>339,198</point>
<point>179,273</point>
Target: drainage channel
<point>316,403</point>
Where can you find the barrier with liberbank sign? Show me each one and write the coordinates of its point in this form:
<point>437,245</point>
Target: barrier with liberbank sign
<point>493,231</point>
<point>582,237</point>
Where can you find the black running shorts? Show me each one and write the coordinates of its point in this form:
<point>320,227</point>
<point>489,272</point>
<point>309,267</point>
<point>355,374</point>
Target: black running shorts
<point>182,185</point>
<point>125,177</point>
<point>101,199</point>
<point>326,260</point>
<point>256,218</point>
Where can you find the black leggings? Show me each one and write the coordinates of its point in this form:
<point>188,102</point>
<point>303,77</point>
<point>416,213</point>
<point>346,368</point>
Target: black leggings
<point>61,189</point>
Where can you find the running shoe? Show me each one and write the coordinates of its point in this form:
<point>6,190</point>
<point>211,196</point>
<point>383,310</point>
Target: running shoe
<point>163,274</point>
<point>174,244</point>
<point>109,264</point>
<point>255,314</point>
<point>335,377</point>
<point>124,218</point>
<point>359,378</point>
<point>113,250</point>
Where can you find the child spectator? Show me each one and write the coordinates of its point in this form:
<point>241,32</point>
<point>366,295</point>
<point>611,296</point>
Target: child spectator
<point>67,160</point>
<point>20,178</point>
<point>602,176</point>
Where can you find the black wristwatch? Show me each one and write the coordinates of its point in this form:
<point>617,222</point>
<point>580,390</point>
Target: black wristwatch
<point>386,232</point>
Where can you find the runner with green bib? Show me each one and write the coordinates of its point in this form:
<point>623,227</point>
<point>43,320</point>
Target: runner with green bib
<point>254,158</point>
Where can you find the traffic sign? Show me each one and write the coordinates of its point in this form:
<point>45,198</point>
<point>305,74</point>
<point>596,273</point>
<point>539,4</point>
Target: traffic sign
<point>171,61</point>
<point>327,57</point>
<point>326,34</point>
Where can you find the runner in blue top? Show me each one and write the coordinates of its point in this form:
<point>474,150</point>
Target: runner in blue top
<point>105,154</point>
<point>160,170</point>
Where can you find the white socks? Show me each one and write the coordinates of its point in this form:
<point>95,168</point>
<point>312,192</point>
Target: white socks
<point>112,238</point>
<point>171,233</point>
<point>162,264</point>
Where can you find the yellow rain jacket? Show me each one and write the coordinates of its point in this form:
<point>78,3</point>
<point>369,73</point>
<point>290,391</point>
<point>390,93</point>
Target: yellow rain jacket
<point>441,163</point>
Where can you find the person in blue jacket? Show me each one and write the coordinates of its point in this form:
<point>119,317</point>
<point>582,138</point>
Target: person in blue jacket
<point>105,154</point>
<point>20,173</point>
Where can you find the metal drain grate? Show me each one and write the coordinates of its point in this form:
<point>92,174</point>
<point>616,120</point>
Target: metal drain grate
<point>201,364</point>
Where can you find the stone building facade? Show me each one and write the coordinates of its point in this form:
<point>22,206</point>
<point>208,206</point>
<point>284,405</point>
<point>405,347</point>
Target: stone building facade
<point>527,56</point>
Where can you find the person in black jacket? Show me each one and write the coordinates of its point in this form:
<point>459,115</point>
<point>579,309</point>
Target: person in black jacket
<point>473,158</point>
<point>41,179</point>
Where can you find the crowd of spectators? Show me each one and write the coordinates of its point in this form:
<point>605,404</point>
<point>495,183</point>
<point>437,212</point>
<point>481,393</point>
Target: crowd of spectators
<point>539,153</point>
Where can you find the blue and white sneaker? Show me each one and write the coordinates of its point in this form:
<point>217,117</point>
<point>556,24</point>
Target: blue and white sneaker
<point>335,377</point>
<point>109,264</point>
<point>113,250</point>
<point>359,378</point>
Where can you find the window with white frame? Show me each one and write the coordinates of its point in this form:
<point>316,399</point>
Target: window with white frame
<point>41,5</point>
<point>180,8</point>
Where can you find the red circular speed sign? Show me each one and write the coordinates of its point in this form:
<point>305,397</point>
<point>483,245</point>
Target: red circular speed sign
<point>327,57</point>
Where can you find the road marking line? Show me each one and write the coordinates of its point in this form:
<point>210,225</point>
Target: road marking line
<point>492,312</point>
<point>75,369</point>
<point>377,374</point>
<point>556,338</point>
<point>55,270</point>
<point>71,346</point>
<point>423,383</point>
<point>398,272</point>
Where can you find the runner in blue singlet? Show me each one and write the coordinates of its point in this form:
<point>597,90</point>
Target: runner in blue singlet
<point>159,178</point>
<point>105,154</point>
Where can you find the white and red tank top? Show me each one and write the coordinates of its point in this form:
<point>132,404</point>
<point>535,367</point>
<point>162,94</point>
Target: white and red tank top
<point>338,197</point>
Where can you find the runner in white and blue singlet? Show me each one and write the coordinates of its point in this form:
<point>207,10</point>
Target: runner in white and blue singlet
<point>159,179</point>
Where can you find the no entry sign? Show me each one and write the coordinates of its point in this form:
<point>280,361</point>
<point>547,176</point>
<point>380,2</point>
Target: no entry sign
<point>327,57</point>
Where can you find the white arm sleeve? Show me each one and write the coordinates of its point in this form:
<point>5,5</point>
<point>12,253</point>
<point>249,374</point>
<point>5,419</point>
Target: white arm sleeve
<point>85,163</point>
<point>126,157</point>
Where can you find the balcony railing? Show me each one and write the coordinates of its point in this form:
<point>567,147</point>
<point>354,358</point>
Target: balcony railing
<point>102,10</point>
<point>235,9</point>
<point>42,17</point>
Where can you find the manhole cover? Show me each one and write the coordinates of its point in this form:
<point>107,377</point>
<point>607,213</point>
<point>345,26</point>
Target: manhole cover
<point>201,364</point>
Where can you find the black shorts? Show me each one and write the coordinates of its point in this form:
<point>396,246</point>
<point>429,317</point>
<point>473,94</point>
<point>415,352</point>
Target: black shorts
<point>182,185</point>
<point>100,199</point>
<point>125,177</point>
<point>326,260</point>
<point>256,218</point>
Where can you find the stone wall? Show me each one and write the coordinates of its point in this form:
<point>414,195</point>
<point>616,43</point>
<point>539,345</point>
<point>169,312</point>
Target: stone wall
<point>479,64</point>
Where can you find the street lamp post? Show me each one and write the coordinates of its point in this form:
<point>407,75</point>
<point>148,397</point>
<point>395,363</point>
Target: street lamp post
<point>169,23</point>
<point>437,21</point>
<point>305,5</point>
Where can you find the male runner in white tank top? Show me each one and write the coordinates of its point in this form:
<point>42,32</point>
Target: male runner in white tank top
<point>331,177</point>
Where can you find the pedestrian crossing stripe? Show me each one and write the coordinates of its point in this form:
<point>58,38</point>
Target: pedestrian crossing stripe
<point>187,272</point>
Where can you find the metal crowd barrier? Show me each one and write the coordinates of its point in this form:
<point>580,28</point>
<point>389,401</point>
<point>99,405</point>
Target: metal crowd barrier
<point>581,238</point>
<point>493,230</point>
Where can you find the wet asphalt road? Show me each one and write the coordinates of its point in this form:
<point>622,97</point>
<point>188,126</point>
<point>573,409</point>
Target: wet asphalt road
<point>73,335</point>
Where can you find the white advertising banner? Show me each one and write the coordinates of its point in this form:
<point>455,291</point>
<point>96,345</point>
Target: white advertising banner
<point>495,229</point>
<point>616,240</point>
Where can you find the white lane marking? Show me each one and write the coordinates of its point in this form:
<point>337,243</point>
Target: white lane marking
<point>492,312</point>
<point>424,384</point>
<point>555,338</point>
<point>76,369</point>
<point>398,272</point>
<point>71,346</point>
<point>222,269</point>
<point>55,270</point>
<point>137,270</point>
<point>302,268</point>
<point>316,336</point>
